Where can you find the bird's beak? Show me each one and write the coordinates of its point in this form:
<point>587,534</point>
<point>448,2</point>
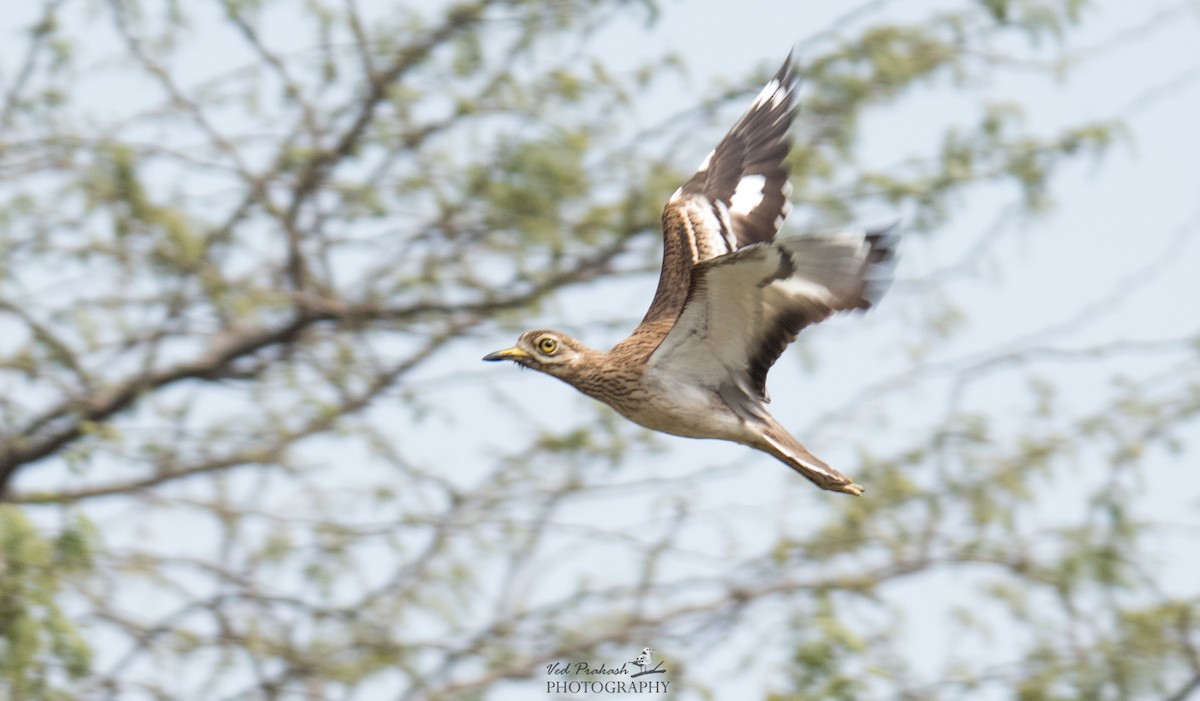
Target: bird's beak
<point>507,354</point>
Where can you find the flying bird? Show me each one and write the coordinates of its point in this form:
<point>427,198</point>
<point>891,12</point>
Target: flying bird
<point>730,299</point>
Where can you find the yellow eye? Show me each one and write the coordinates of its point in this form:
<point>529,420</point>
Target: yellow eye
<point>547,345</point>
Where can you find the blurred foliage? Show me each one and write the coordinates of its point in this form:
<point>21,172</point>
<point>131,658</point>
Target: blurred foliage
<point>41,650</point>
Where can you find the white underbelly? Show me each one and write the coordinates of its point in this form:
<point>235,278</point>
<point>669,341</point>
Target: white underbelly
<point>686,410</point>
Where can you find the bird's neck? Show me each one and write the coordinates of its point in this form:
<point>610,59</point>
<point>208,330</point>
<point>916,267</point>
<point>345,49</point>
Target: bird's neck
<point>606,376</point>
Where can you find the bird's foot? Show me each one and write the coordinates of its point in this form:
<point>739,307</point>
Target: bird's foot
<point>849,488</point>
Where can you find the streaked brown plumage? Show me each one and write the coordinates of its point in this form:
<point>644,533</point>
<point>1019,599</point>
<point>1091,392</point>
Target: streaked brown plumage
<point>730,299</point>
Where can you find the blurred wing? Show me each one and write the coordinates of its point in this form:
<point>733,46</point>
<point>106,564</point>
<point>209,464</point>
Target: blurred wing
<point>739,195</point>
<point>744,308</point>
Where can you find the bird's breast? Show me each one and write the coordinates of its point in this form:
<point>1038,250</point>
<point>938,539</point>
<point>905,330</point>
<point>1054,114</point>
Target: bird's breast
<point>683,410</point>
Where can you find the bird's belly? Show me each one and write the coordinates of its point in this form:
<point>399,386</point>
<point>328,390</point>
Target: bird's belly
<point>686,410</point>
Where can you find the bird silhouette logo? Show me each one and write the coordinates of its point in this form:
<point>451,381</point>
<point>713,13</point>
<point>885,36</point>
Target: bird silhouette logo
<point>644,661</point>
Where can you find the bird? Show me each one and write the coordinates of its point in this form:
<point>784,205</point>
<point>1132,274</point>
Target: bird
<point>643,660</point>
<point>730,298</point>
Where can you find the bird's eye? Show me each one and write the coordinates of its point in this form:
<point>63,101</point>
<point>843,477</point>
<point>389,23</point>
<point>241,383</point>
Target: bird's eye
<point>548,345</point>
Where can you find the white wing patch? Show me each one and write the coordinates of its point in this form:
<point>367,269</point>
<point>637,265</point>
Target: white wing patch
<point>726,225</point>
<point>748,195</point>
<point>779,97</point>
<point>798,287</point>
<point>770,92</point>
<point>787,205</point>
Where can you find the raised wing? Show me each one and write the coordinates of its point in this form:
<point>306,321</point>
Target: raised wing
<point>745,308</point>
<point>738,196</point>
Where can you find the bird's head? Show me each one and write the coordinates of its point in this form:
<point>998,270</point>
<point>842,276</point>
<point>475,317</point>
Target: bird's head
<point>552,352</point>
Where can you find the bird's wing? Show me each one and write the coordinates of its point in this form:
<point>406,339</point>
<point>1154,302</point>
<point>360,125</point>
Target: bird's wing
<point>738,196</point>
<point>744,308</point>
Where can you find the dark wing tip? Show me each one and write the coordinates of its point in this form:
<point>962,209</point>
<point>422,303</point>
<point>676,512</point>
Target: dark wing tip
<point>746,173</point>
<point>884,239</point>
<point>881,262</point>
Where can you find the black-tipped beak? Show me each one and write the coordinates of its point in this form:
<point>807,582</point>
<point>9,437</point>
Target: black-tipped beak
<point>507,354</point>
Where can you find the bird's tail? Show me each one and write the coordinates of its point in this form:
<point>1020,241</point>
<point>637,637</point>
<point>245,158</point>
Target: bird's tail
<point>778,442</point>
